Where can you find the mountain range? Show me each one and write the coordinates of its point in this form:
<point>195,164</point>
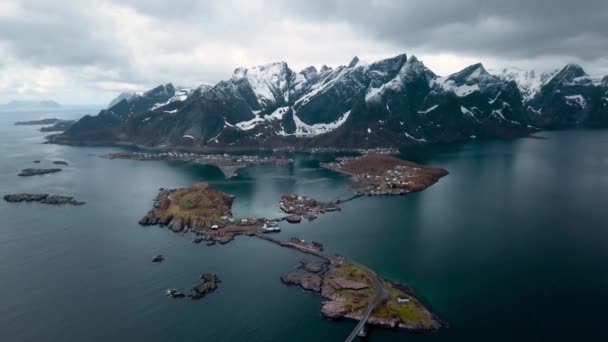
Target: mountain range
<point>387,103</point>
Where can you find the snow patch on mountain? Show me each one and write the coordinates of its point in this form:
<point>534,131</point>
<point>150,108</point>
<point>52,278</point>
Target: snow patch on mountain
<point>306,130</point>
<point>460,90</point>
<point>466,111</point>
<point>576,100</point>
<point>428,110</point>
<point>414,138</point>
<point>268,82</point>
<point>529,82</point>
<point>250,124</point>
<point>180,95</point>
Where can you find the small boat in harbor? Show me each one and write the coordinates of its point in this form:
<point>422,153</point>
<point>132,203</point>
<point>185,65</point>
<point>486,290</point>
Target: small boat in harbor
<point>271,227</point>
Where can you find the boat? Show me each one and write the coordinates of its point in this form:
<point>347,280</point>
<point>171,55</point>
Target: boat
<point>271,227</point>
<point>158,258</point>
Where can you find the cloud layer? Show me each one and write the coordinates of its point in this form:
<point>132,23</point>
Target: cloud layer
<point>87,51</point>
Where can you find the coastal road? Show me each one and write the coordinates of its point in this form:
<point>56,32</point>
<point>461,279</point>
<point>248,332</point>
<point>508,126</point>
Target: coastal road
<point>381,295</point>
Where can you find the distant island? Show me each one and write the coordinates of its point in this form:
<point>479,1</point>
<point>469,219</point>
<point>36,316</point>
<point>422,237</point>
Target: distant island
<point>19,105</point>
<point>48,121</point>
<point>51,124</point>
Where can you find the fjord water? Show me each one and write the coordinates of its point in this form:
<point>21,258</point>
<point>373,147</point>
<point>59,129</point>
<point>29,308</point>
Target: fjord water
<point>511,245</point>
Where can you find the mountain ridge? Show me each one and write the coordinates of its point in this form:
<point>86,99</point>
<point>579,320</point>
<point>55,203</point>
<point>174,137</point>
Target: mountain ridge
<point>391,102</point>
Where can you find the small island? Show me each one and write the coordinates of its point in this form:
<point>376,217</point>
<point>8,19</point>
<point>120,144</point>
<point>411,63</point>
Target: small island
<point>301,206</point>
<point>382,174</point>
<point>348,289</point>
<point>208,285</point>
<point>37,172</point>
<point>42,198</point>
<point>228,164</point>
<point>202,210</point>
<point>48,121</point>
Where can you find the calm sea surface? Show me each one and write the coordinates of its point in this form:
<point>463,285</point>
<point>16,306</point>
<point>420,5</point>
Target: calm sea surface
<point>511,246</point>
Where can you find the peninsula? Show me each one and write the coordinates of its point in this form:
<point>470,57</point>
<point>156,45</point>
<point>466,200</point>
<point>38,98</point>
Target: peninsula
<point>382,174</point>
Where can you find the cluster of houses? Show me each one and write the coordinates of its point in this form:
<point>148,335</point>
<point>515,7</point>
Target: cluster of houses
<point>202,158</point>
<point>399,180</point>
<point>304,206</point>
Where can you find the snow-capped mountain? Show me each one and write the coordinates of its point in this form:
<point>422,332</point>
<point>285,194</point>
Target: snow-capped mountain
<point>528,81</point>
<point>387,103</point>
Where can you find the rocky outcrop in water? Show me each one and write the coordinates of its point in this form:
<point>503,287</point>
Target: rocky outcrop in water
<point>36,172</point>
<point>208,285</point>
<point>307,281</point>
<point>42,198</point>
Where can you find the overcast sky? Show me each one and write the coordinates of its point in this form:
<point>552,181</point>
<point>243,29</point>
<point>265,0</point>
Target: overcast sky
<point>81,51</point>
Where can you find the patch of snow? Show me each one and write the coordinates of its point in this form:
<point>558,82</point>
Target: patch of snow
<point>371,93</point>
<point>428,110</point>
<point>171,111</point>
<point>529,82</point>
<point>369,130</point>
<point>411,68</point>
<point>305,130</point>
<point>266,81</point>
<point>215,138</point>
<point>498,113</point>
<point>576,100</point>
<point>459,90</point>
<point>188,136</point>
<point>496,98</point>
<point>414,138</point>
<point>180,95</point>
<point>146,119</point>
<point>250,124</point>
<point>320,87</point>
<point>535,111</point>
<point>466,111</point>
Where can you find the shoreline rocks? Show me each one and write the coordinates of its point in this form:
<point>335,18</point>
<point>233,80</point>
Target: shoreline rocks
<point>294,218</point>
<point>42,198</point>
<point>306,281</point>
<point>36,172</point>
<point>313,266</point>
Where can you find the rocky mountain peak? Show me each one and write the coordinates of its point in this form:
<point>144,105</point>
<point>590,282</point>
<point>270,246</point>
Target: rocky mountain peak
<point>471,73</point>
<point>309,72</point>
<point>414,67</point>
<point>353,62</point>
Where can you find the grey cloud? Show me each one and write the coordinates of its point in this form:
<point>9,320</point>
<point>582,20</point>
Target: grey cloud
<point>495,28</point>
<point>71,34</point>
